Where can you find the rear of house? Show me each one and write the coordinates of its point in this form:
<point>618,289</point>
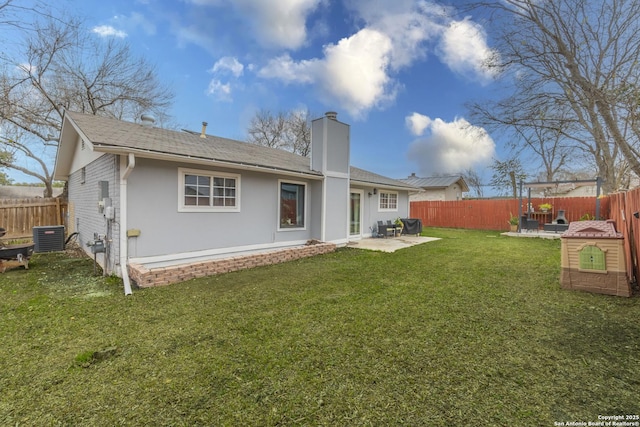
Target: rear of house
<point>160,198</point>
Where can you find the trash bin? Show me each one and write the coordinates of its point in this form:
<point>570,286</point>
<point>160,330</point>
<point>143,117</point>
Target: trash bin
<point>593,259</point>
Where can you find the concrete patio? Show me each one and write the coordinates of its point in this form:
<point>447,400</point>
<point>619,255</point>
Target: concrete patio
<point>390,244</point>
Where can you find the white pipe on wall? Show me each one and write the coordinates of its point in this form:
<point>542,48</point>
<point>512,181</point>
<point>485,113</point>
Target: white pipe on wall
<point>126,166</point>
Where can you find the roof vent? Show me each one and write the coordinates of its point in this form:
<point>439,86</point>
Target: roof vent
<point>147,120</point>
<point>203,134</point>
<point>331,115</point>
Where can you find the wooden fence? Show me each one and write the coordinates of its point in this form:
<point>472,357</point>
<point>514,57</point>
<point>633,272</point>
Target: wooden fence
<point>493,214</point>
<point>19,216</point>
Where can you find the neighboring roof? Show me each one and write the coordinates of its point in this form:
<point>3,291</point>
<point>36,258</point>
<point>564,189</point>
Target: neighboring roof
<point>366,177</point>
<point>434,182</point>
<point>116,136</point>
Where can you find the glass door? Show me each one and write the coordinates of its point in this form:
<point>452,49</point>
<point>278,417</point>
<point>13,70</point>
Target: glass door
<point>355,214</point>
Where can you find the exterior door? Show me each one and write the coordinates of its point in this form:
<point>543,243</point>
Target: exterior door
<point>355,213</point>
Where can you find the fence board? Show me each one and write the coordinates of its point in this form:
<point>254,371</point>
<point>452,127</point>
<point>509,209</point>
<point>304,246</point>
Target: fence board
<point>19,216</point>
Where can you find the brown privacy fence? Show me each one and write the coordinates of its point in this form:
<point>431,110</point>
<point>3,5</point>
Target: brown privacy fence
<point>493,214</point>
<point>19,216</point>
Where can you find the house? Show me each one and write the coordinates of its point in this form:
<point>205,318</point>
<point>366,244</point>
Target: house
<point>159,205</point>
<point>442,188</point>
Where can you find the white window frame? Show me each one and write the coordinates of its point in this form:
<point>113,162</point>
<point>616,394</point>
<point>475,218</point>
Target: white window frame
<point>306,206</point>
<point>380,208</point>
<point>210,174</point>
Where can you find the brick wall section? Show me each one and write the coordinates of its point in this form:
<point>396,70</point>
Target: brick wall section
<point>144,277</point>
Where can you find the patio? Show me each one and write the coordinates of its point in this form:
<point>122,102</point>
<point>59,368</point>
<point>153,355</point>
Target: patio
<point>390,244</point>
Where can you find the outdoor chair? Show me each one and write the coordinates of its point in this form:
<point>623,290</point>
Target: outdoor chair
<point>384,230</point>
<point>528,224</point>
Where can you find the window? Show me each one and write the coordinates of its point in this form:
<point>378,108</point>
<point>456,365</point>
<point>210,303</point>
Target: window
<point>388,201</point>
<point>292,204</point>
<point>209,191</point>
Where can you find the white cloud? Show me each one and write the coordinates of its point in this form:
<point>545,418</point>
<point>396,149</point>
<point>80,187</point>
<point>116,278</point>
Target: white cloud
<point>355,71</point>
<point>417,123</point>
<point>225,66</point>
<point>464,49</point>
<point>409,24</point>
<point>228,64</point>
<point>279,23</point>
<point>221,91</point>
<point>108,31</point>
<point>449,147</point>
<point>352,72</point>
<point>286,69</point>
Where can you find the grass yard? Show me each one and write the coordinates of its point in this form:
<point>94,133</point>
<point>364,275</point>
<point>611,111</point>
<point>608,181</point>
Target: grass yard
<point>470,330</point>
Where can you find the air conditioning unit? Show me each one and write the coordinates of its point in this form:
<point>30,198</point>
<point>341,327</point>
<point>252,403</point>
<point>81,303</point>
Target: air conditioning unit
<point>48,238</point>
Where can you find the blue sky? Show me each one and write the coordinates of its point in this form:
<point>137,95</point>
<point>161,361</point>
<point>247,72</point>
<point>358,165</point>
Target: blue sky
<point>399,72</point>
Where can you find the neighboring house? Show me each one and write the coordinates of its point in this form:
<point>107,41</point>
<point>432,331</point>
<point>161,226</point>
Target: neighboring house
<point>164,199</point>
<point>441,188</point>
<point>566,190</point>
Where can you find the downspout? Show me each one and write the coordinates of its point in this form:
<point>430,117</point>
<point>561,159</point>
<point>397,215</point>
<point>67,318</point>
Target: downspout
<point>125,169</point>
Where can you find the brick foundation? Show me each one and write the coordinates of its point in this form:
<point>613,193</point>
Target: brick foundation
<point>609,283</point>
<point>144,277</point>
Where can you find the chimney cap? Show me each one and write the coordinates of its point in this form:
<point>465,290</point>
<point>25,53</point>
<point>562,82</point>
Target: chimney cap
<point>331,115</point>
<point>203,134</point>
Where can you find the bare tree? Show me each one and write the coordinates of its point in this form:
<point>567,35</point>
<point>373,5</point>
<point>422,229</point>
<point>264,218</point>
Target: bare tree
<point>62,68</point>
<point>474,181</point>
<point>299,124</point>
<point>268,129</point>
<point>577,56</point>
<point>506,175</point>
<point>287,131</point>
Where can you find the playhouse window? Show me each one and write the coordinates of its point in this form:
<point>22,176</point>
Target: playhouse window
<point>209,191</point>
<point>292,204</point>
<point>388,201</point>
<point>592,258</point>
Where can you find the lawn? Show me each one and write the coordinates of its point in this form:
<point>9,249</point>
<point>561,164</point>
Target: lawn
<point>469,330</point>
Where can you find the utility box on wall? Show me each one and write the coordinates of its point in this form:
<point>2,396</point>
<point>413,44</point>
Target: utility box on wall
<point>48,238</point>
<point>593,259</point>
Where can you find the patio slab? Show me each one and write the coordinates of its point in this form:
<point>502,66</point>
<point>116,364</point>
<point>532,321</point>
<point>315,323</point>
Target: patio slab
<point>390,244</point>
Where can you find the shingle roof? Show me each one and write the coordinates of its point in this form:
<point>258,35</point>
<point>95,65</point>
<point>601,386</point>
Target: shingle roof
<point>107,134</point>
<point>435,181</point>
<point>112,135</point>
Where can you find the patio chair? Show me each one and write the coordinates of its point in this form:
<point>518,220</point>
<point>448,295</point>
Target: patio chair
<point>528,224</point>
<point>384,230</point>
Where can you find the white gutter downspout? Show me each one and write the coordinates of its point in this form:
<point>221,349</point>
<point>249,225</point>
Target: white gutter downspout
<point>125,170</point>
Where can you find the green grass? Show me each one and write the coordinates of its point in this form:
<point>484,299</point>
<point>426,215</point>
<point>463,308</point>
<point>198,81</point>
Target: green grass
<point>469,330</point>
